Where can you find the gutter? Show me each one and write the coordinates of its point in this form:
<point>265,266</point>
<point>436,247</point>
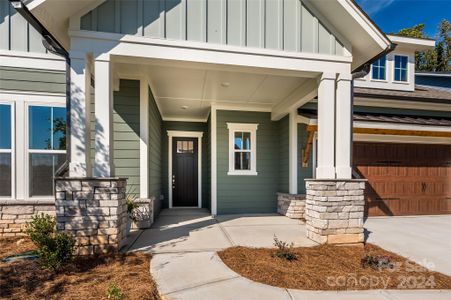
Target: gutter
<point>53,46</point>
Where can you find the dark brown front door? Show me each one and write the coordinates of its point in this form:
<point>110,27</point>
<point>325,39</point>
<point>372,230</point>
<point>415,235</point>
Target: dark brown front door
<point>184,172</point>
<point>405,179</point>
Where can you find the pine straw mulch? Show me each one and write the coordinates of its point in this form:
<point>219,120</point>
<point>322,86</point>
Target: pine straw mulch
<point>328,267</point>
<point>86,278</point>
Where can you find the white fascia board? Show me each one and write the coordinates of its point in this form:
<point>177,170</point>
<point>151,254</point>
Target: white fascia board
<point>413,43</point>
<point>41,61</point>
<point>382,138</point>
<point>398,126</point>
<point>151,48</point>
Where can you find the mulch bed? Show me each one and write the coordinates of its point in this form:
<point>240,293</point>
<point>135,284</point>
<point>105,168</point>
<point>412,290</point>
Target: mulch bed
<point>328,267</point>
<point>86,278</point>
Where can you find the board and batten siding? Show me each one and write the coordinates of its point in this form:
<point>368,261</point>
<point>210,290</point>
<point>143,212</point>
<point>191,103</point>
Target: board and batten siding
<point>248,194</point>
<point>16,33</point>
<point>32,80</point>
<point>182,126</point>
<point>274,24</point>
<point>155,153</point>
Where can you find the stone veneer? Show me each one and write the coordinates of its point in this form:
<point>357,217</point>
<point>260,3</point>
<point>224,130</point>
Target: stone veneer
<point>291,205</point>
<point>334,210</point>
<point>94,210</point>
<point>14,214</point>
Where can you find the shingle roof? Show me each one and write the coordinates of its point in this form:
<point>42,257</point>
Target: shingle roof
<point>421,93</point>
<point>402,119</point>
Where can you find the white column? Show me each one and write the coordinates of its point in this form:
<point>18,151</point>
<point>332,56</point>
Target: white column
<point>103,166</point>
<point>343,139</point>
<point>79,116</point>
<point>293,152</point>
<point>214,206</point>
<point>326,127</point>
<point>144,139</point>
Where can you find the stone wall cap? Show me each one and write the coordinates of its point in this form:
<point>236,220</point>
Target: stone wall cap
<point>91,178</point>
<point>337,180</point>
<point>288,194</point>
<point>11,202</point>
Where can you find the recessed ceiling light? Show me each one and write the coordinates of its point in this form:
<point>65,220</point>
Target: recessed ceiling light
<point>184,107</point>
<point>225,84</point>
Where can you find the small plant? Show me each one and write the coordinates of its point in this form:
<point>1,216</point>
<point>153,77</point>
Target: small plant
<point>284,250</point>
<point>114,292</point>
<point>378,262</point>
<point>55,249</point>
<point>132,207</point>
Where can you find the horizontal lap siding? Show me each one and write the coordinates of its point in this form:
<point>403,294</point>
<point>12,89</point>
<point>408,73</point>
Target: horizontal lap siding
<point>248,194</point>
<point>273,24</point>
<point>283,155</point>
<point>155,152</point>
<point>32,80</point>
<point>181,126</point>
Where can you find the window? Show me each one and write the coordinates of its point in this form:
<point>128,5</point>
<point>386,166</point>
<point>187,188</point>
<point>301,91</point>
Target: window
<point>379,68</point>
<point>185,147</point>
<point>47,147</point>
<point>6,160</point>
<point>400,68</point>
<point>242,149</point>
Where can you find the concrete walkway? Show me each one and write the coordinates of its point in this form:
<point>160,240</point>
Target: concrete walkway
<point>185,264</point>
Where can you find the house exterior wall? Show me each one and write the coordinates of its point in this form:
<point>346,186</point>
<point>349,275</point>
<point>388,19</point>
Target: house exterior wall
<point>182,126</point>
<point>277,24</point>
<point>248,194</point>
<point>15,32</point>
<point>156,136</point>
<point>206,168</point>
<point>283,155</point>
<point>32,80</point>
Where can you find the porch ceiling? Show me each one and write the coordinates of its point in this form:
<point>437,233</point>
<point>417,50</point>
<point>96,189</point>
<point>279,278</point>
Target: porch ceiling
<point>189,92</point>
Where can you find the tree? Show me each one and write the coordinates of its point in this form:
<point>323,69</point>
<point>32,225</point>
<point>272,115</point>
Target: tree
<point>437,59</point>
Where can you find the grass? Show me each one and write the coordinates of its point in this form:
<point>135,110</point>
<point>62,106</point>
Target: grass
<point>328,267</point>
<point>86,278</point>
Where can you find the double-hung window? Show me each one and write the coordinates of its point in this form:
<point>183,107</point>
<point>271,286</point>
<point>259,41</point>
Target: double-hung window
<point>242,149</point>
<point>46,147</point>
<point>6,150</point>
<point>400,68</point>
<point>379,69</point>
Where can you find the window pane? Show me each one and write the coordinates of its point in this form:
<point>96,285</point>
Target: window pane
<point>42,168</point>
<point>5,126</point>
<point>40,127</point>
<point>247,140</point>
<point>403,75</point>
<point>238,140</point>
<point>59,128</point>
<point>238,161</point>
<point>246,158</point>
<point>5,174</point>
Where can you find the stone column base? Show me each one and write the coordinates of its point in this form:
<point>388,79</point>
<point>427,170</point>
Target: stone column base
<point>94,210</point>
<point>334,210</point>
<point>291,205</point>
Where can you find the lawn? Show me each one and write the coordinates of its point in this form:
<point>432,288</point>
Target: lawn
<point>85,278</point>
<point>329,267</point>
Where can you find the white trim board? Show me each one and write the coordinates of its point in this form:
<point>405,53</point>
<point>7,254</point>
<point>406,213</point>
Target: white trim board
<point>191,134</point>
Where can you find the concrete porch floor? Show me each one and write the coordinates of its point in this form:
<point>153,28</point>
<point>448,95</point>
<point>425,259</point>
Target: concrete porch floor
<point>194,230</point>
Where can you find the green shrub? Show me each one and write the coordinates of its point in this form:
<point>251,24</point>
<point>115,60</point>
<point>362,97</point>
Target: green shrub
<point>55,249</point>
<point>114,292</point>
<point>284,250</point>
<point>377,262</point>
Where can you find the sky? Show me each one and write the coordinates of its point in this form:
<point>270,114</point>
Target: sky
<point>393,15</point>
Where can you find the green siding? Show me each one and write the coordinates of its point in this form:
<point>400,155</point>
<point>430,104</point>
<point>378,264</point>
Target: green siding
<point>206,168</point>
<point>303,172</point>
<point>272,24</point>
<point>283,155</point>
<point>248,194</point>
<point>155,152</point>
<point>32,80</point>
<point>183,126</point>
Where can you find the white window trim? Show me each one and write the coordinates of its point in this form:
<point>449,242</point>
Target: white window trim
<point>242,127</point>
<point>385,72</point>
<point>191,134</point>
<point>29,151</point>
<point>394,70</point>
<point>12,151</point>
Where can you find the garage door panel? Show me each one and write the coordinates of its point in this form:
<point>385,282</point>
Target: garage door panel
<point>405,179</point>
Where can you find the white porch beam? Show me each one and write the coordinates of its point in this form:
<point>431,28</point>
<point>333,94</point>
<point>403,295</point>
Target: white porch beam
<point>326,127</point>
<point>343,127</point>
<point>79,117</point>
<point>293,152</point>
<point>103,166</point>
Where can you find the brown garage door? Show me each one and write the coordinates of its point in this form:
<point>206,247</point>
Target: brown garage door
<point>405,179</point>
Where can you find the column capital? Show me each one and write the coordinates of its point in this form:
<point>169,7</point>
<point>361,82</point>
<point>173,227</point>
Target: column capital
<point>328,76</point>
<point>344,77</point>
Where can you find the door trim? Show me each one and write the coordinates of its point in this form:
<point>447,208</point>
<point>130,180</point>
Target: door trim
<point>191,134</point>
